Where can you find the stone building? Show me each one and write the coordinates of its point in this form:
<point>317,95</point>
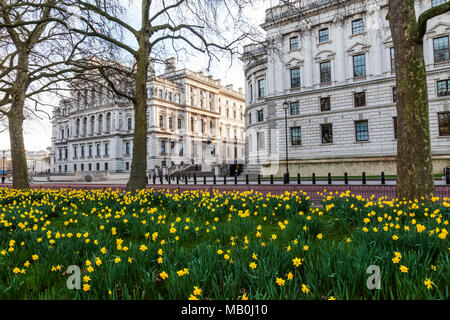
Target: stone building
<point>193,120</point>
<point>331,64</point>
<point>38,162</point>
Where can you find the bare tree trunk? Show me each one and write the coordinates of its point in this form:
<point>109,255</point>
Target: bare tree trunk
<point>414,161</point>
<point>139,163</point>
<point>19,162</point>
<point>15,122</point>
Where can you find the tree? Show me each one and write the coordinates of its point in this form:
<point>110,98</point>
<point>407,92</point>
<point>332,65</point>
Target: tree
<point>194,23</point>
<point>33,53</point>
<point>414,161</point>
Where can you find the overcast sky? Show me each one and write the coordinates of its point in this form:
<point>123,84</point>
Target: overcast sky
<point>37,133</point>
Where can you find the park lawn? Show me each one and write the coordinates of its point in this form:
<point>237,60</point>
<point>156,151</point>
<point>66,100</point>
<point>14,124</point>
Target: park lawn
<point>201,245</point>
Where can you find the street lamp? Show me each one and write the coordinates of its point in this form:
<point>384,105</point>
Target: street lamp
<point>3,172</point>
<point>286,175</point>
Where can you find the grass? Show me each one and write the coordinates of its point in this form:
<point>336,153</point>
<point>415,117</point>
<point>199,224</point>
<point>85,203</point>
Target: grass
<point>209,241</point>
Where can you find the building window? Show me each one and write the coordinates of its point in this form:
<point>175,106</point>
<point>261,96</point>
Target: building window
<point>98,150</point>
<point>261,92</point>
<point>443,88</point>
<point>161,121</point>
<point>127,148</point>
<point>106,149</point>
<point>172,147</point>
<point>435,3</point>
<point>75,167</point>
<point>249,118</point>
<point>251,92</point>
<point>260,141</point>
<point>65,168</point>
<point>394,95</point>
<point>395,127</point>
<point>106,166</point>
<point>293,43</point>
<point>323,35</point>
<point>179,123</point>
<point>327,132</point>
<point>82,167</point>
<point>441,49</point>
<point>444,123</point>
<point>359,65</point>
<point>362,130</point>
<point>129,124</point>
<point>295,110</point>
<point>160,93</point>
<point>295,78</point>
<point>163,146</point>
<point>127,166</point>
<point>325,72</point>
<point>90,166</point>
<point>60,168</point>
<point>260,115</point>
<point>392,59</point>
<point>357,26</point>
<point>192,124</point>
<point>75,152</point>
<point>170,123</point>
<point>90,150</point>
<point>82,151</point>
<point>296,136</point>
<point>98,166</point>
<point>60,154</point>
<point>360,99</point>
<point>170,96</point>
<point>325,104</point>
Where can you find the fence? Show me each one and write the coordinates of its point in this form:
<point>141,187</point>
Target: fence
<point>366,191</point>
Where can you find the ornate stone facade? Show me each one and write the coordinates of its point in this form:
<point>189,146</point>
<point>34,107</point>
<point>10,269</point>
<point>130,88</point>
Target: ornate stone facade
<point>192,120</point>
<point>332,63</point>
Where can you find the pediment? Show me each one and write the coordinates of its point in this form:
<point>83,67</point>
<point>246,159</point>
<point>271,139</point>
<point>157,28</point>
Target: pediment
<point>324,55</point>
<point>439,28</point>
<point>388,41</point>
<point>358,47</point>
<point>294,62</point>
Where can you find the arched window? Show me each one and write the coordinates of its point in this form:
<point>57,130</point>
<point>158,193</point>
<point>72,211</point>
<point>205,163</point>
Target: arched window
<point>92,124</point>
<point>77,127</point>
<point>108,122</point>
<point>84,126</point>
<point>100,124</point>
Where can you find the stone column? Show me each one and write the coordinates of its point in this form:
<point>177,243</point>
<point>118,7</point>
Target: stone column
<point>340,59</point>
<point>309,63</point>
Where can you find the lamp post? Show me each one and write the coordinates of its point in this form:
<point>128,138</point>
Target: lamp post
<point>3,172</point>
<point>286,175</point>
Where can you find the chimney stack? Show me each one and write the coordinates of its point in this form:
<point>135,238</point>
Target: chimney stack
<point>151,67</point>
<point>171,65</point>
